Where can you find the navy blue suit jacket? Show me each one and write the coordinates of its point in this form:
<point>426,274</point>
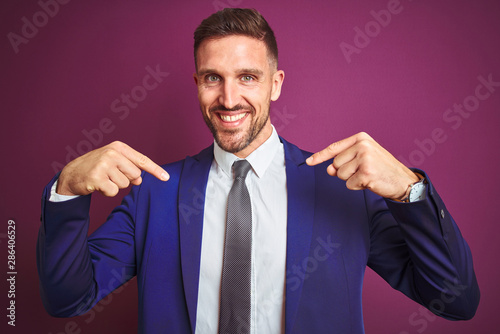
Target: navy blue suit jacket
<point>332,235</point>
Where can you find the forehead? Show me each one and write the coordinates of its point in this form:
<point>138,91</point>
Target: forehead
<point>232,53</point>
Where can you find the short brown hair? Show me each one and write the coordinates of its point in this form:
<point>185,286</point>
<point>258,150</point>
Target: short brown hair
<point>237,21</point>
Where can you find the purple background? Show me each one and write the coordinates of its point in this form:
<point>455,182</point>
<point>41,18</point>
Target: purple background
<point>397,88</point>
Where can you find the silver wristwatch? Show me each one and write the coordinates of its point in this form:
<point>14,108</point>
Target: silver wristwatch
<point>416,191</point>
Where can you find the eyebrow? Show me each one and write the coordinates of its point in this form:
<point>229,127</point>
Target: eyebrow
<point>253,71</point>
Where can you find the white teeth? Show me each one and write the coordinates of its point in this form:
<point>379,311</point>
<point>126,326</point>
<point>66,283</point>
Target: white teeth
<point>232,118</point>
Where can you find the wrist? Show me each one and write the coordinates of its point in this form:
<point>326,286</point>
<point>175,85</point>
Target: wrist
<point>414,191</point>
<point>62,187</point>
<point>55,197</point>
<point>61,191</point>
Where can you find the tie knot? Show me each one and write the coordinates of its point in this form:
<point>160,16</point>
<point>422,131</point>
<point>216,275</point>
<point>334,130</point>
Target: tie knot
<point>241,168</point>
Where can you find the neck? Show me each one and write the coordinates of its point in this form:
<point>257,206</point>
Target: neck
<point>261,138</point>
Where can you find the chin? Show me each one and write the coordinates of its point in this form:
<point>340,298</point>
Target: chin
<point>231,145</point>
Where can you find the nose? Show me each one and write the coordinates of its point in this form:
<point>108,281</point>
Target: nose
<point>230,95</point>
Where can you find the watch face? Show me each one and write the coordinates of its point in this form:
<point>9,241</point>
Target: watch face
<point>417,192</point>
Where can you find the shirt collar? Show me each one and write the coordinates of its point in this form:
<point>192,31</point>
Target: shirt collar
<point>259,159</point>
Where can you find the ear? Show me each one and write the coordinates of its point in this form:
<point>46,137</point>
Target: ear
<point>278,78</point>
<point>195,78</point>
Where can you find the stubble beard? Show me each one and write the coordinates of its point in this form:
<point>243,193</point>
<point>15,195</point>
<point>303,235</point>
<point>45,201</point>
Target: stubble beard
<point>234,141</point>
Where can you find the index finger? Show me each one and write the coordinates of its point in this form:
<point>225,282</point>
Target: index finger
<point>143,162</point>
<point>332,150</point>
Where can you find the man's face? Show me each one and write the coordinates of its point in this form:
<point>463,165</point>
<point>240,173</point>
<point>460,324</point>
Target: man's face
<point>236,84</point>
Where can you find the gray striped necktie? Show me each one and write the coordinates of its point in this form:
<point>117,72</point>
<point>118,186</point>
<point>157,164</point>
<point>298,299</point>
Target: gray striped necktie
<point>234,314</point>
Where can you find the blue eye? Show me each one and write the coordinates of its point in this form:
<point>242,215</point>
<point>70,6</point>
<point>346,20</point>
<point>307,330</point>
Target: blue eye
<point>212,78</point>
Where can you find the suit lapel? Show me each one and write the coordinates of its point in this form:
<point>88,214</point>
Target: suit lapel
<point>192,186</point>
<point>300,193</point>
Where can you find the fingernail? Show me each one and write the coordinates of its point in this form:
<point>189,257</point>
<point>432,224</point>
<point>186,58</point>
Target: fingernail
<point>309,160</point>
<point>165,176</point>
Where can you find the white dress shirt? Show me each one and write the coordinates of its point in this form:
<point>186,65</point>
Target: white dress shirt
<point>266,184</point>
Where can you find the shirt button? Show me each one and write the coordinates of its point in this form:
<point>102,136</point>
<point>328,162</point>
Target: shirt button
<point>442,213</point>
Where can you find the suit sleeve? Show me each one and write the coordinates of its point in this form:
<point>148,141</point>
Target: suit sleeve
<point>75,271</point>
<point>418,249</point>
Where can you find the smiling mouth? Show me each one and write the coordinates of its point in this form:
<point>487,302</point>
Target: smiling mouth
<point>232,118</point>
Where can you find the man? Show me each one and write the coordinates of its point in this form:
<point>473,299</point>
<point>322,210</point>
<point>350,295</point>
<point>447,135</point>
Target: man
<point>311,236</point>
